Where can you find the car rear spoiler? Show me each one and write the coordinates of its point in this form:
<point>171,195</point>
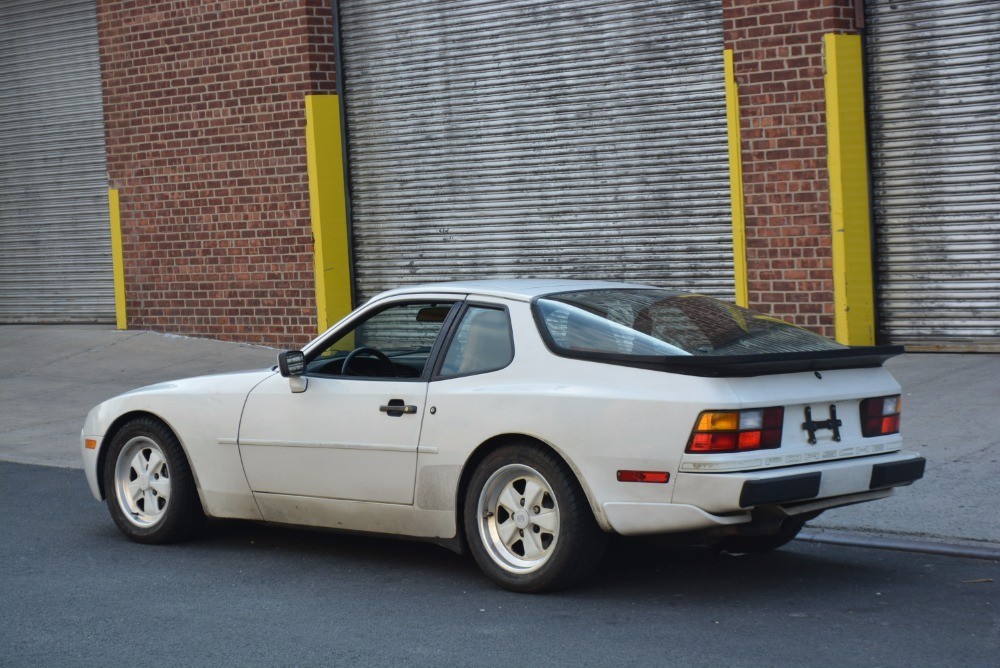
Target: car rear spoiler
<point>749,365</point>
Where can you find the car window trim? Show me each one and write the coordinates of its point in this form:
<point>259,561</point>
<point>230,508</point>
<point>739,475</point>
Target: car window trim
<point>468,304</point>
<point>319,345</point>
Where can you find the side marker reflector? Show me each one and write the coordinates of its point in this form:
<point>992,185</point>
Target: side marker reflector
<point>644,476</point>
<point>90,443</point>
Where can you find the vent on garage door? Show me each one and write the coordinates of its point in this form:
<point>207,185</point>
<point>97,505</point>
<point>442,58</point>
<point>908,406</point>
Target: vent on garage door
<point>537,138</point>
<point>55,239</point>
<point>934,87</point>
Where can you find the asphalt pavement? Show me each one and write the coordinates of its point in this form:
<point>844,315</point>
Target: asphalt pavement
<point>76,592</point>
<point>51,375</point>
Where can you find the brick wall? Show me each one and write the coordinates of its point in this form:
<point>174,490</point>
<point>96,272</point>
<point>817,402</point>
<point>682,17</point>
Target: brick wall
<point>778,62</point>
<point>205,129</point>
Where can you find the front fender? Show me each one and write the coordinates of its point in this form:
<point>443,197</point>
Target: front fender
<point>204,413</point>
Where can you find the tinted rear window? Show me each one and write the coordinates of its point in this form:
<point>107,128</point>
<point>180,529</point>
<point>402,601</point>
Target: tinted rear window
<point>660,322</point>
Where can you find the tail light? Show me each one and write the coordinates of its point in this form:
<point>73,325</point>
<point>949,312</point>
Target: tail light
<point>737,431</point>
<point>880,416</point>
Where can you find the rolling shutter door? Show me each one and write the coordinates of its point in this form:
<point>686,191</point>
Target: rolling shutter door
<point>537,139</point>
<point>55,239</point>
<point>934,87</point>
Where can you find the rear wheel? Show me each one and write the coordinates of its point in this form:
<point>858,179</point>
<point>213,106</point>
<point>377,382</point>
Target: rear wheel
<point>528,523</point>
<point>148,483</point>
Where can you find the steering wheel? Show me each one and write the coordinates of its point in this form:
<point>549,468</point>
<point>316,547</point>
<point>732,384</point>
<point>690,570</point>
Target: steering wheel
<point>372,352</point>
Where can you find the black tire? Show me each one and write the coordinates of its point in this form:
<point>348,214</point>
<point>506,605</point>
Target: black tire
<point>148,485</point>
<point>760,544</point>
<point>552,539</point>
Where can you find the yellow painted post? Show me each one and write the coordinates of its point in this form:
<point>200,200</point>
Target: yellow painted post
<point>847,162</point>
<point>117,259</point>
<point>328,205</point>
<point>736,182</point>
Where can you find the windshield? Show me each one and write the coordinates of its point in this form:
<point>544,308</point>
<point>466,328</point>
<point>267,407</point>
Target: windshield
<point>656,322</point>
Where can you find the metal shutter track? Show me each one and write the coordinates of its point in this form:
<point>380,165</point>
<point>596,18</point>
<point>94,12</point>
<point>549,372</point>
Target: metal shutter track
<point>527,138</point>
<point>934,82</point>
<point>55,243</point>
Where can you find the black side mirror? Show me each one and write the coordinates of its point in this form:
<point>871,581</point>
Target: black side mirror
<point>292,363</point>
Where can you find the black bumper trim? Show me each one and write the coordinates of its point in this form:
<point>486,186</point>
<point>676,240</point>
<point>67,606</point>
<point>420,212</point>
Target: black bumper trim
<point>897,473</point>
<point>780,490</point>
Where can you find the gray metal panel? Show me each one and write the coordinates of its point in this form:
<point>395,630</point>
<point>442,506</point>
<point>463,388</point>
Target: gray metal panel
<point>55,240</point>
<point>934,84</point>
<point>537,138</point>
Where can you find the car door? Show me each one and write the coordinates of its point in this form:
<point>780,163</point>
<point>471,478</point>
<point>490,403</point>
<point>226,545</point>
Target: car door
<point>353,432</point>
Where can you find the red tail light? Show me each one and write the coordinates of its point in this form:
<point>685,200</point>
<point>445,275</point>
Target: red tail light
<point>737,431</point>
<point>880,416</point>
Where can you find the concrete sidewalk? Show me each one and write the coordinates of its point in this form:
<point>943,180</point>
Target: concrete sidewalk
<point>51,376</point>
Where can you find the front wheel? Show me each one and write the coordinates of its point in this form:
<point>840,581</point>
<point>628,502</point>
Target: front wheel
<point>150,490</point>
<point>528,523</point>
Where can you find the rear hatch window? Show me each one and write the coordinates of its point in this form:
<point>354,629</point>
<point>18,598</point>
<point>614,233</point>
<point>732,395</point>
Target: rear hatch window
<point>686,333</point>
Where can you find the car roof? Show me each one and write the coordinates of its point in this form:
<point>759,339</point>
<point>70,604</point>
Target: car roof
<point>520,289</point>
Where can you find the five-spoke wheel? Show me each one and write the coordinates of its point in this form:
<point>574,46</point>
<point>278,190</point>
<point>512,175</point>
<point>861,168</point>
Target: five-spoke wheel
<point>527,521</point>
<point>519,518</point>
<point>142,481</point>
<point>148,484</point>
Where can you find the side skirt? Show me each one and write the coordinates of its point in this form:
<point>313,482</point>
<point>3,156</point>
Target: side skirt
<point>377,518</point>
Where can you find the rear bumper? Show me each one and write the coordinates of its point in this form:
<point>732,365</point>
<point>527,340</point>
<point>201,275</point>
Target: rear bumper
<point>732,492</point>
<point>706,500</point>
<point>806,486</point>
<point>894,474</point>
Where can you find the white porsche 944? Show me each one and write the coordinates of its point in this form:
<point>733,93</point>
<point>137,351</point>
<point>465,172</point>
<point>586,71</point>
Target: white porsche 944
<point>522,421</point>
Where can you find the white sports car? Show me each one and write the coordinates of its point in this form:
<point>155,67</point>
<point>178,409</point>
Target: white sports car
<point>523,421</point>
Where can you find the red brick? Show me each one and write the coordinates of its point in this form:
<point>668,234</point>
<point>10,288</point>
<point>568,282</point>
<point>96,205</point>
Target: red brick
<point>205,122</point>
<point>778,65</point>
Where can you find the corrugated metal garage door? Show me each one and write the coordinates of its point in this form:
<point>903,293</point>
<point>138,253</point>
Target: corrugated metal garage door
<point>537,138</point>
<point>934,88</point>
<point>55,240</point>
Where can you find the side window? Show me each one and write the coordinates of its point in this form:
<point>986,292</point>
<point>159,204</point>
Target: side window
<point>482,343</point>
<point>393,343</point>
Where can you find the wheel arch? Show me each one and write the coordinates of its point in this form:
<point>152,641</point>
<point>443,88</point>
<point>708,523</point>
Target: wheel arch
<point>486,447</point>
<point>117,426</point>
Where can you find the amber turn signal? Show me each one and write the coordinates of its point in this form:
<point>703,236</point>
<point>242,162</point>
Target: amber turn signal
<point>737,431</point>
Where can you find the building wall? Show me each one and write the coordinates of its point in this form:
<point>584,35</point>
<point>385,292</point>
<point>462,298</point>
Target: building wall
<point>205,129</point>
<point>778,64</point>
<point>205,125</point>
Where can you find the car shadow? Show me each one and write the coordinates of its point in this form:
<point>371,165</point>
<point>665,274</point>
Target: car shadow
<point>634,565</point>
<point>631,566</point>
